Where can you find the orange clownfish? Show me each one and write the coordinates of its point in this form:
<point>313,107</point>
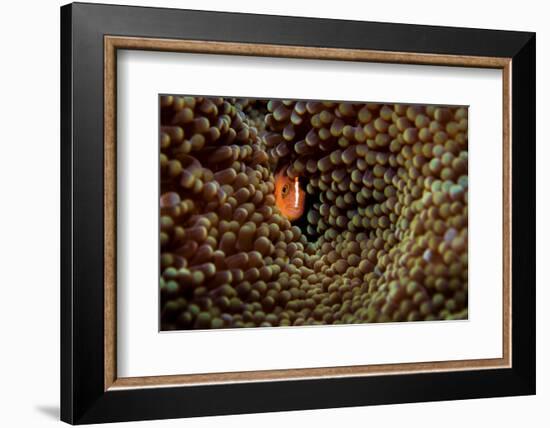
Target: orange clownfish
<point>289,196</point>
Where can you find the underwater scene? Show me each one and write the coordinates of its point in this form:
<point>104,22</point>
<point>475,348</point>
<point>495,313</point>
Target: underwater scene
<point>300,212</point>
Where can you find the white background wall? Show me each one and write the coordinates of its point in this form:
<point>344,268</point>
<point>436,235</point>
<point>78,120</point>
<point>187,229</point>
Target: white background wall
<point>29,216</point>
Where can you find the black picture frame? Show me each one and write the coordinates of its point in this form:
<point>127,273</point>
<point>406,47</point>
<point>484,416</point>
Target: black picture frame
<point>83,396</point>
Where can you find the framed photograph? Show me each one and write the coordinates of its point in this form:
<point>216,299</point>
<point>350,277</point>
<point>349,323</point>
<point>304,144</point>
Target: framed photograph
<point>266,213</point>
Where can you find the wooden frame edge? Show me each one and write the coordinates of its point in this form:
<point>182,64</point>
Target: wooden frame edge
<point>303,52</point>
<point>109,197</point>
<point>112,43</point>
<point>308,373</point>
<point>507,172</point>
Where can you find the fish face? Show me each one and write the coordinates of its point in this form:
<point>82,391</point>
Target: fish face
<point>289,196</point>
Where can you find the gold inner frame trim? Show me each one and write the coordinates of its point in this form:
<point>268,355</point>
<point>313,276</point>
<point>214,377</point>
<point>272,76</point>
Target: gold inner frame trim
<point>113,43</point>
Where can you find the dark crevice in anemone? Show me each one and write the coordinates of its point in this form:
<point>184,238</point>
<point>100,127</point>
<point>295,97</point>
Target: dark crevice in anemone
<point>302,223</point>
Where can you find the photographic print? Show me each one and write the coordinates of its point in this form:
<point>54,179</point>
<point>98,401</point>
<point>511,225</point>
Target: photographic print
<point>278,212</point>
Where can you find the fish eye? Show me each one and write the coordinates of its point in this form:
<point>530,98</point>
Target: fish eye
<point>284,190</point>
